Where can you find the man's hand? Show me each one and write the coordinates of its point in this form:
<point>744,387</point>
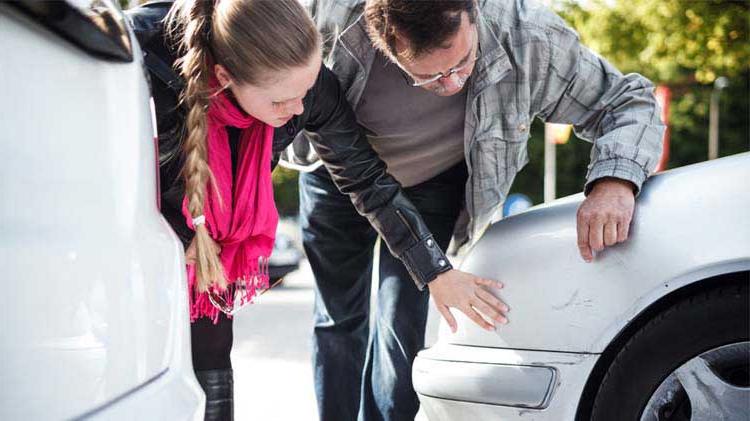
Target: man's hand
<point>604,217</point>
<point>466,292</point>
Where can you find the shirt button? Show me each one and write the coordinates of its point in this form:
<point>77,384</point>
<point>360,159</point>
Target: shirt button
<point>442,262</point>
<point>430,242</point>
<point>522,128</point>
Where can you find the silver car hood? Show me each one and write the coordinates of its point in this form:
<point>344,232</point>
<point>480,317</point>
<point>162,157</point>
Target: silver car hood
<point>690,223</point>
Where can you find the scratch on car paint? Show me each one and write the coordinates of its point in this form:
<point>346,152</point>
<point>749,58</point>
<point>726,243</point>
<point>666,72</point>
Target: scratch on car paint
<point>551,363</point>
<point>573,300</point>
<point>524,412</point>
<point>568,303</point>
<point>575,360</point>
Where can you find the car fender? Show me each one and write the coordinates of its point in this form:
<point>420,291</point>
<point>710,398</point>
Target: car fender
<point>689,224</point>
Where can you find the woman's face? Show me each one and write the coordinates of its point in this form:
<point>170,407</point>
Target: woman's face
<point>280,97</point>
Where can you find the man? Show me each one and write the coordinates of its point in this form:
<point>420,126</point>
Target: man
<point>447,91</point>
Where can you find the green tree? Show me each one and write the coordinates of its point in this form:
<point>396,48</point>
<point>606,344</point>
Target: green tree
<point>286,191</point>
<point>672,42</point>
<point>682,44</point>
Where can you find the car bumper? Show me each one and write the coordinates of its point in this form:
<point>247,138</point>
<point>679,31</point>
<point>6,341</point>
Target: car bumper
<point>460,382</point>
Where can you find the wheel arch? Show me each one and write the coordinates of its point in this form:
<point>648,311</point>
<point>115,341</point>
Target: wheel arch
<point>699,284</point>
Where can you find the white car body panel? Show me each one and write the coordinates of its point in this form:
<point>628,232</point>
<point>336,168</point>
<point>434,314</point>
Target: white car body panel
<point>690,224</point>
<point>560,303</point>
<point>95,293</point>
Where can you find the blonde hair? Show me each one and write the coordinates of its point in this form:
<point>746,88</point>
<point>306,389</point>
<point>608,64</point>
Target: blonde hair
<point>252,40</point>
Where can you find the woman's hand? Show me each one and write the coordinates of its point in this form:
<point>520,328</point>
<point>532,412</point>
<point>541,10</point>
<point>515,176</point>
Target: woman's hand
<point>190,255</point>
<point>467,293</point>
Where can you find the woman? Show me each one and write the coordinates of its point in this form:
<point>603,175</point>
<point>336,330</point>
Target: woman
<point>236,86</point>
<point>234,90</point>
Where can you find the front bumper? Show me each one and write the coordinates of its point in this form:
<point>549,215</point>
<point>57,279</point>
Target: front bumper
<point>462,383</point>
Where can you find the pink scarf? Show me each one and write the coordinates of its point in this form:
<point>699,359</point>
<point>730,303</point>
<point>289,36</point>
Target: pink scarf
<point>245,226</point>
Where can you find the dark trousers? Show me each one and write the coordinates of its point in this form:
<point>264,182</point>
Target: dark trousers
<point>361,374</point>
<point>211,343</point>
<point>212,346</point>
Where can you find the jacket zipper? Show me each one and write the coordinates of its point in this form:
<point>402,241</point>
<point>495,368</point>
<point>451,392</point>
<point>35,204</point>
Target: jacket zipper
<point>406,222</point>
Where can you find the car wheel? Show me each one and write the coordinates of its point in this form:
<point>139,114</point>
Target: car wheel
<point>690,362</point>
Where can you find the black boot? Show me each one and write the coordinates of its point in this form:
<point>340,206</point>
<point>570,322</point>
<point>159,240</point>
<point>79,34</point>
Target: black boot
<point>219,388</point>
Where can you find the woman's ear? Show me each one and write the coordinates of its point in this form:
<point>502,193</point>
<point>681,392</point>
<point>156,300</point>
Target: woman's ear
<point>222,75</point>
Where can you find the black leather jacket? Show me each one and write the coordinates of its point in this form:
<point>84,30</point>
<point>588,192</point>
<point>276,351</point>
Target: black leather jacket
<point>340,143</point>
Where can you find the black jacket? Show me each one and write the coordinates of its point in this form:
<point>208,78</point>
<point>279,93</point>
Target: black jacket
<point>340,143</point>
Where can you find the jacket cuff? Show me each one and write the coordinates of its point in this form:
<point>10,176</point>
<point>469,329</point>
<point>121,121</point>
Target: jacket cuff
<point>622,168</point>
<point>425,261</point>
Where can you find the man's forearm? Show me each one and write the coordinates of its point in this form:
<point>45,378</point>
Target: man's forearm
<point>617,112</point>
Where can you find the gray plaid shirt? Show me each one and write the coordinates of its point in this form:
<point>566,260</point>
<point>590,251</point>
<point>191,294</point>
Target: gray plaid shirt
<point>531,64</point>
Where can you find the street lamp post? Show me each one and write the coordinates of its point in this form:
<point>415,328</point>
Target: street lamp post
<point>554,134</point>
<point>713,122</point>
<point>550,165</point>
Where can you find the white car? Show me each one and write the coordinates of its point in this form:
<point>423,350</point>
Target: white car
<point>285,257</point>
<point>656,328</point>
<point>94,298</point>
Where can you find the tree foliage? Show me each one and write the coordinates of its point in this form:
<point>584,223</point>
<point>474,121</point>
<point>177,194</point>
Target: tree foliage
<point>683,44</point>
<point>286,191</point>
<point>669,41</point>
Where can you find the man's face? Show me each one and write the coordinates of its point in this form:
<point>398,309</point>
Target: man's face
<point>444,71</point>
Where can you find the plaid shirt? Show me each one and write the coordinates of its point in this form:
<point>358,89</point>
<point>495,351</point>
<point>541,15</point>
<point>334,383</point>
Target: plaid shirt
<point>531,64</point>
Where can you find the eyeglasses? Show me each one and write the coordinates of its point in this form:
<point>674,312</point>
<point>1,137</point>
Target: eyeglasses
<point>418,82</point>
<point>239,293</point>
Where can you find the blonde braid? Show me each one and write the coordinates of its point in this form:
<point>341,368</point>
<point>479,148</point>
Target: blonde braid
<point>194,23</point>
<point>252,39</point>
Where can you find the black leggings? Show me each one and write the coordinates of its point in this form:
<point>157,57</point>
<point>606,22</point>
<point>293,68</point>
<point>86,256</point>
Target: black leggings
<point>211,343</point>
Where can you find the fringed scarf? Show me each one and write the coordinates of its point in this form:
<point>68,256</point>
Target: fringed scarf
<point>244,221</point>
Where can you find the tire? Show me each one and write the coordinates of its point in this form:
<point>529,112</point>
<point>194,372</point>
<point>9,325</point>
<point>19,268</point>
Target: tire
<point>687,329</point>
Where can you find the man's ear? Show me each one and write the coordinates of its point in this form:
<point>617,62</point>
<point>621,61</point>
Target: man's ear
<point>223,76</point>
<point>400,47</point>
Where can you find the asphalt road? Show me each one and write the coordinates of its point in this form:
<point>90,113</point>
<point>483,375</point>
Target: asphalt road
<point>271,355</point>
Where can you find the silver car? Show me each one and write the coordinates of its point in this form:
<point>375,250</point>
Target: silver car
<point>94,297</point>
<point>654,329</point>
